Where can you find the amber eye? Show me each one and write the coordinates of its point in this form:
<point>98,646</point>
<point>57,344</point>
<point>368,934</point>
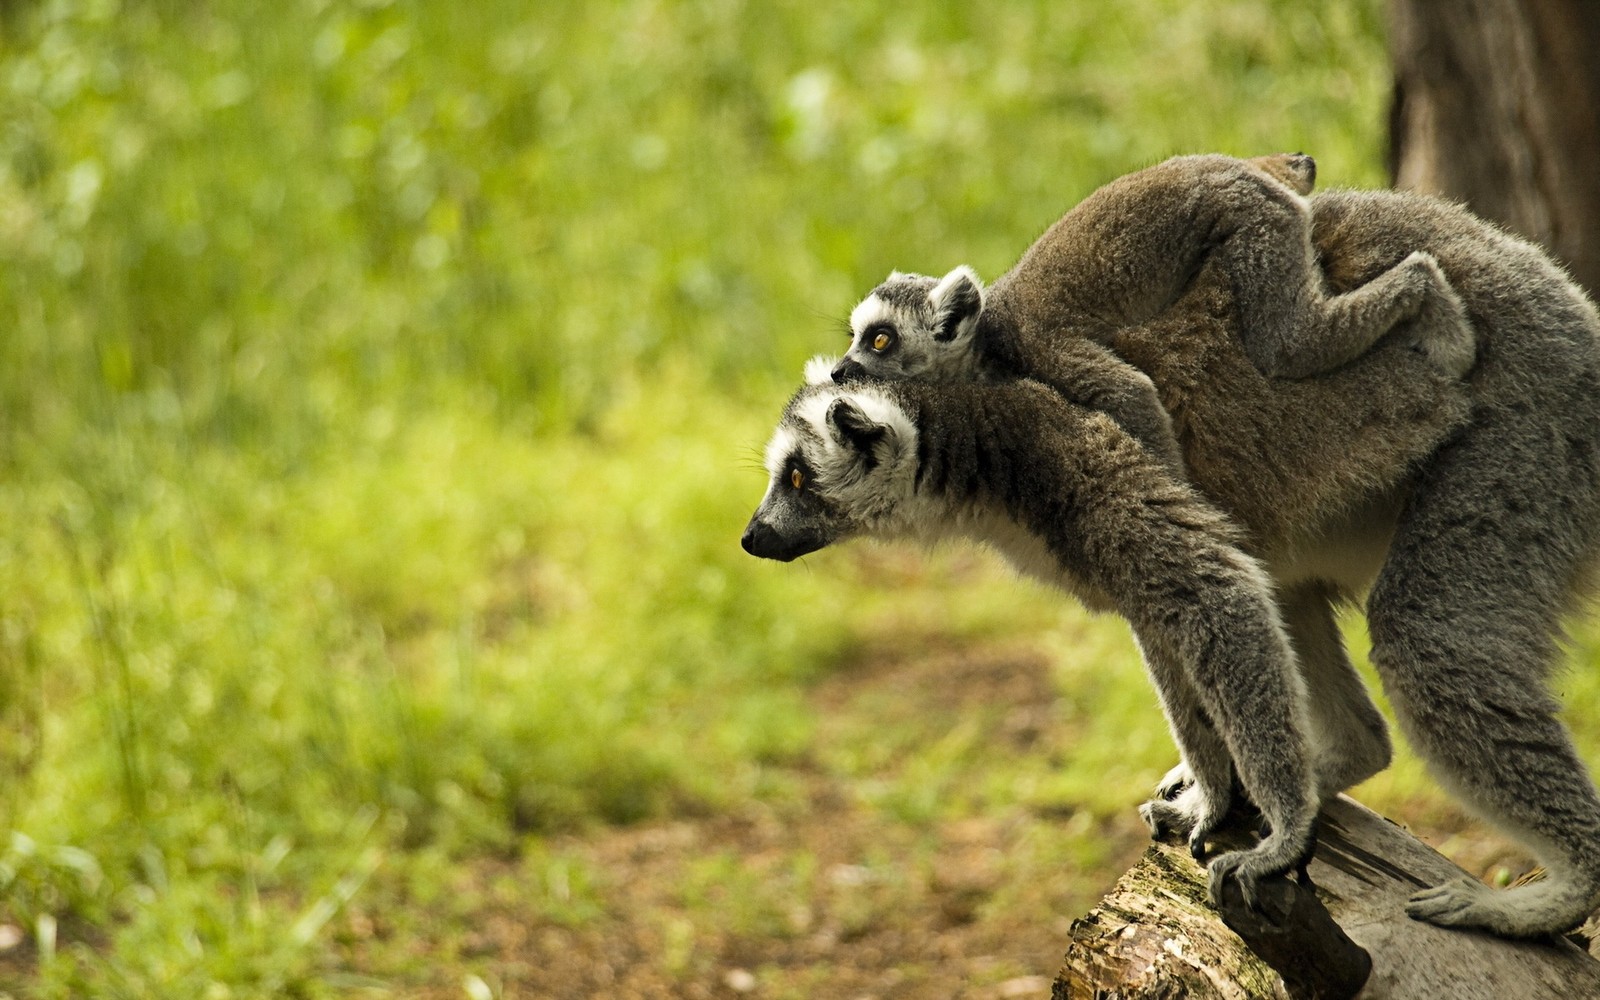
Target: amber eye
<point>797,478</point>
<point>882,341</point>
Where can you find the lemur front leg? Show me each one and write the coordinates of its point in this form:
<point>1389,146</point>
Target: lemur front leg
<point>1243,677</point>
<point>1195,797</point>
<point>1206,619</point>
<point>1204,613</point>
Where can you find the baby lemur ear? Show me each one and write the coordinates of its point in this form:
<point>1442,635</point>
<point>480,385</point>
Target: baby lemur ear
<point>851,426</point>
<point>957,301</point>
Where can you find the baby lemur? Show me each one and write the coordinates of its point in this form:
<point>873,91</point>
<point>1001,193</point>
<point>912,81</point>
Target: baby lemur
<point>1467,510</point>
<point>1123,256</point>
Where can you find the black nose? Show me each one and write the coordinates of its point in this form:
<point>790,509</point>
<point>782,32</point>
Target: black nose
<point>848,370</point>
<point>765,542</point>
<point>761,540</point>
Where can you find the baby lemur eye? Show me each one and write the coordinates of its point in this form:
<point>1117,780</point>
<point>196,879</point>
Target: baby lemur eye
<point>883,339</point>
<point>797,478</point>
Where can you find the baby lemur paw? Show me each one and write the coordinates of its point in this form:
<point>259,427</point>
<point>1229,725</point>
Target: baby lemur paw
<point>1441,331</point>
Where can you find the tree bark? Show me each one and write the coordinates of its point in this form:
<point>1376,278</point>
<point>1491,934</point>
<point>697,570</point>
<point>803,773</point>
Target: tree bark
<point>1154,937</point>
<point>1497,104</point>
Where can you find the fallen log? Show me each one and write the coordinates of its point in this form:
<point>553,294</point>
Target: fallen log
<point>1155,936</point>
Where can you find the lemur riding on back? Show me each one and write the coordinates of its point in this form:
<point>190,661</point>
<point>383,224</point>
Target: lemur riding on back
<point>1123,256</point>
<point>1463,512</point>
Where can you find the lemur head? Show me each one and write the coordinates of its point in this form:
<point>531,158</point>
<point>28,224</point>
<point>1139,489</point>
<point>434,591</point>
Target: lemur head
<point>915,325</point>
<point>842,462</point>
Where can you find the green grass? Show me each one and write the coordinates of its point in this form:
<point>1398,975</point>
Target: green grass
<point>380,391</point>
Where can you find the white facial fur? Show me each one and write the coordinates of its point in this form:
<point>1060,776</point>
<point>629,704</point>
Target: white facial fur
<point>861,491</point>
<point>872,310</point>
<point>837,463</point>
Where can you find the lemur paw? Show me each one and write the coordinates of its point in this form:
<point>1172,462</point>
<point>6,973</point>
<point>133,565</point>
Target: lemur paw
<point>1164,819</point>
<point>1448,905</point>
<point>1248,870</point>
<point>1423,275</point>
<point>1442,331</point>
<point>1549,906</point>
<point>1190,814</point>
<point>1174,781</point>
<point>1273,857</point>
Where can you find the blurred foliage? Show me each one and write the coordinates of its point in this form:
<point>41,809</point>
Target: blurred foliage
<point>253,218</point>
<point>380,391</point>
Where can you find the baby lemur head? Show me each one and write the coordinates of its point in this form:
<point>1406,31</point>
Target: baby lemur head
<point>915,325</point>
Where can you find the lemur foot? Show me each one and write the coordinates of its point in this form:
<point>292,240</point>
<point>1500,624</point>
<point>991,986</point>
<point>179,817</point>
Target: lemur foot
<point>1175,781</point>
<point>1190,814</point>
<point>1273,857</point>
<point>1550,906</point>
<point>1164,819</point>
<point>1441,331</point>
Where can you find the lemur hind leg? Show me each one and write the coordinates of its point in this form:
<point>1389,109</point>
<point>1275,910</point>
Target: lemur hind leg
<point>1293,328</point>
<point>1349,738</point>
<point>1466,620</point>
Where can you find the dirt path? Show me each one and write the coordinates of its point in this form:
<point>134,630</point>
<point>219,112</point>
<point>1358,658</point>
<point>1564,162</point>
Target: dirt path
<point>883,866</point>
<point>825,890</point>
<point>842,883</point>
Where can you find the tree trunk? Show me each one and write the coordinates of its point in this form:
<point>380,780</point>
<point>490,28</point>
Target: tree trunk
<point>1155,938</point>
<point>1497,104</point>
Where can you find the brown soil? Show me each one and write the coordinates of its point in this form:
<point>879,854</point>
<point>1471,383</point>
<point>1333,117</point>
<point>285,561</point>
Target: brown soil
<point>821,889</point>
<point>821,894</point>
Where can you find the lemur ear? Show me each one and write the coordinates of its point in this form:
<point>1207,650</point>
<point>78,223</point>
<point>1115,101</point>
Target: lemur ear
<point>851,426</point>
<point>957,300</point>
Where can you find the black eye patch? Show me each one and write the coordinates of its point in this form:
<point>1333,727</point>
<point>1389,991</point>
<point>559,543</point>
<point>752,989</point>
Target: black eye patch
<point>806,497</point>
<point>796,466</point>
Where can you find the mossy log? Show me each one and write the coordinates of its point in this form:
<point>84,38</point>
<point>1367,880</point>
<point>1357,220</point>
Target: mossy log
<point>1155,936</point>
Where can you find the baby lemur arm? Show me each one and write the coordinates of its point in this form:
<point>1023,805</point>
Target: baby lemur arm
<point>1092,376</point>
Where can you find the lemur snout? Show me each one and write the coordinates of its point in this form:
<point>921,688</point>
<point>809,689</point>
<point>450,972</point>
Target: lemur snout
<point>848,370</point>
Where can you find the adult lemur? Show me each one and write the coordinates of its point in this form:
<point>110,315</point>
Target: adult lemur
<point>1124,255</point>
<point>1468,510</point>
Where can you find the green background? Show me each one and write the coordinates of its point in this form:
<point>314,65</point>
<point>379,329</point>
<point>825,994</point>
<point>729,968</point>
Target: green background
<point>382,389</point>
